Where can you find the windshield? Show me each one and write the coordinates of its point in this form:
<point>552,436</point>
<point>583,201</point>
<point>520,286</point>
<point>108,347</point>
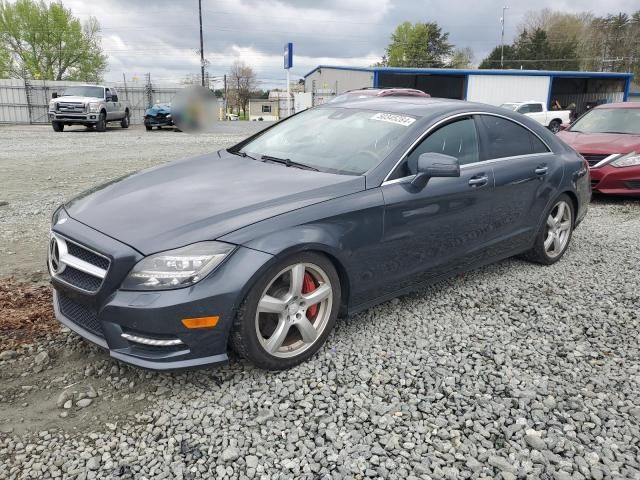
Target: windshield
<point>510,106</point>
<point>335,140</point>
<point>609,120</point>
<point>96,92</point>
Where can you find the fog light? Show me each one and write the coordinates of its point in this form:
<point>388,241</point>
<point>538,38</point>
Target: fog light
<point>200,322</point>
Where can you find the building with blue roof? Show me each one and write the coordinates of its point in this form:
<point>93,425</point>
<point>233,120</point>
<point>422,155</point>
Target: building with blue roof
<point>494,87</point>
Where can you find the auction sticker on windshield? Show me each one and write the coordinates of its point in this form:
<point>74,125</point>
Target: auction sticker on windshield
<point>392,118</point>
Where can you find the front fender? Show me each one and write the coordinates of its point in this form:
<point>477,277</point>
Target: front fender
<point>347,229</point>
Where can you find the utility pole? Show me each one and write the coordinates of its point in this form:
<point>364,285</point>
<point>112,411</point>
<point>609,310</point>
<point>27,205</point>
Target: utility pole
<point>126,92</point>
<point>504,9</point>
<point>201,42</point>
<point>224,99</point>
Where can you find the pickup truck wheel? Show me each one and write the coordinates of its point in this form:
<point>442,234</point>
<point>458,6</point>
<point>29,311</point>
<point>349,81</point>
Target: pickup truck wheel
<point>554,126</point>
<point>101,126</point>
<point>125,120</point>
<point>57,126</point>
<point>148,127</point>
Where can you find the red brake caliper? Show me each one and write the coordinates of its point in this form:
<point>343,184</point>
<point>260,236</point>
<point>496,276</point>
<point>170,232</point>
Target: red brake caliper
<point>308,286</point>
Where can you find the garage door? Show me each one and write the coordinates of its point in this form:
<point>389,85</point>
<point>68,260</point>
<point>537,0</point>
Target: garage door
<point>499,89</point>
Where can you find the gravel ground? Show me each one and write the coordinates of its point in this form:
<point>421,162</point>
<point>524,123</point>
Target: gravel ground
<point>512,371</point>
<point>39,169</point>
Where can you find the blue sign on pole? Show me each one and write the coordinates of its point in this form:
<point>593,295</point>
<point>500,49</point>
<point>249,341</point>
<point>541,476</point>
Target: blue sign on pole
<point>288,56</point>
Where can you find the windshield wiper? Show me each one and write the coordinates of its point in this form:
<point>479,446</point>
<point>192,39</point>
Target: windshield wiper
<point>288,162</point>
<point>241,154</point>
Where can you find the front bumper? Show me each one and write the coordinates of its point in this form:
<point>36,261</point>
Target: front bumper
<point>158,122</point>
<point>104,316</point>
<point>610,180</point>
<point>81,118</point>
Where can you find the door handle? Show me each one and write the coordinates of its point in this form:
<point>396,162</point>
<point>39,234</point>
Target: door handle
<point>478,181</point>
<point>542,170</point>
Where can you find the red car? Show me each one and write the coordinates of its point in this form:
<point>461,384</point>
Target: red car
<point>379,92</point>
<point>608,137</point>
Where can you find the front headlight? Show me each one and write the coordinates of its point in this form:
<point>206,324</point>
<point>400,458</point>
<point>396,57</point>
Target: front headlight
<point>94,107</point>
<point>177,268</point>
<point>629,160</point>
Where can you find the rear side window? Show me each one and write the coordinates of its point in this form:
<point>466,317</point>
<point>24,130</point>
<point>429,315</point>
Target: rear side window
<point>505,138</point>
<point>535,108</point>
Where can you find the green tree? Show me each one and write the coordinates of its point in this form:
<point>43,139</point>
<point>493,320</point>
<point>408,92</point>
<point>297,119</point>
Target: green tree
<point>461,58</point>
<point>493,59</point>
<point>5,63</point>
<point>533,51</point>
<point>47,42</point>
<point>419,45</point>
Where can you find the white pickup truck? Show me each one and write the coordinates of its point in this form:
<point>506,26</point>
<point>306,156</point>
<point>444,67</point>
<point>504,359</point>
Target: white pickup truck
<point>88,105</point>
<point>552,119</point>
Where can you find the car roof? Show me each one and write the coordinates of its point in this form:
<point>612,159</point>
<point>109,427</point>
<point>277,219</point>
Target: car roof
<point>618,105</point>
<point>419,106</point>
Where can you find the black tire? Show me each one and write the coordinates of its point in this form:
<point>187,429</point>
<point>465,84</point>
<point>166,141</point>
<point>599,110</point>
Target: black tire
<point>244,337</point>
<point>101,126</point>
<point>554,126</point>
<point>57,126</point>
<point>89,127</point>
<point>148,127</point>
<point>124,123</point>
<point>538,254</point>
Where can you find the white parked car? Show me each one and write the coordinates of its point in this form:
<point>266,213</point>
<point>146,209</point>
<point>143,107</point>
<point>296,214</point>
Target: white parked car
<point>552,119</point>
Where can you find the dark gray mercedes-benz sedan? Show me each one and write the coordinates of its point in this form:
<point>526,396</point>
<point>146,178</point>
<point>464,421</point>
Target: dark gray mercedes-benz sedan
<point>260,247</point>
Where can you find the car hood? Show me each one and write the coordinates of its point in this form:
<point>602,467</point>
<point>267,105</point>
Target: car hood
<point>75,99</point>
<point>201,198</point>
<point>601,142</point>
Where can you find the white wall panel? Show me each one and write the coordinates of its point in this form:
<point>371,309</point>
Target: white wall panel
<point>499,89</point>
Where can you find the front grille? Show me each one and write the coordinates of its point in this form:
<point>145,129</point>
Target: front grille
<point>87,255</point>
<point>76,265</point>
<point>79,314</point>
<point>594,158</point>
<point>80,279</point>
<point>71,107</point>
<point>633,184</point>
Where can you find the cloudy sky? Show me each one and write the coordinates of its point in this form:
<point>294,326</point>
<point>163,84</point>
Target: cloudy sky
<point>161,36</point>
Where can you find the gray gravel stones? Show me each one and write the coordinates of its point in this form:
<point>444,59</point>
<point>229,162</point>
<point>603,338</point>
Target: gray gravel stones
<point>83,403</point>
<point>8,354</point>
<point>516,371</point>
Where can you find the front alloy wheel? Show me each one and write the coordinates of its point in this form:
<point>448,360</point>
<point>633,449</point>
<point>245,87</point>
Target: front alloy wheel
<point>288,315</point>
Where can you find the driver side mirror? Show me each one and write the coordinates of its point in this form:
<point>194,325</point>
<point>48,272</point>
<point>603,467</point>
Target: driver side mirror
<point>54,95</point>
<point>108,98</point>
<point>433,164</point>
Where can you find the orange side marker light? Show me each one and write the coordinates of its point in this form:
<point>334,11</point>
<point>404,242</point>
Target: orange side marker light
<point>201,322</point>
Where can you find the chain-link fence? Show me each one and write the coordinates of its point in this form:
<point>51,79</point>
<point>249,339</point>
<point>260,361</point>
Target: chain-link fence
<point>27,101</point>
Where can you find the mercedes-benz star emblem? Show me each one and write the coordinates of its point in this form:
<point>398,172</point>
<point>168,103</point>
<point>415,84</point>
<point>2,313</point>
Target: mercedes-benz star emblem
<point>54,256</point>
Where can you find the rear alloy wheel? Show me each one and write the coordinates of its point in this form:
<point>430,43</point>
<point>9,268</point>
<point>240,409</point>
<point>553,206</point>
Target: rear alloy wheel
<point>288,315</point>
<point>553,239</point>
<point>124,123</point>
<point>101,126</point>
<point>554,126</point>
